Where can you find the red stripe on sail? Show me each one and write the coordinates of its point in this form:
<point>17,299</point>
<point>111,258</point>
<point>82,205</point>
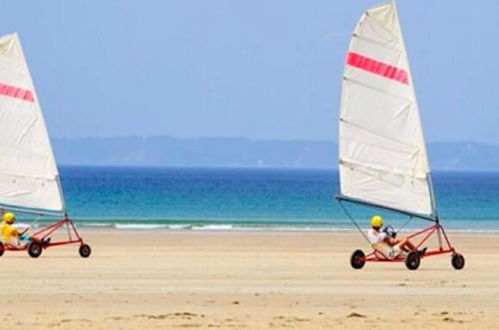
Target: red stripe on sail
<point>377,67</point>
<point>16,92</point>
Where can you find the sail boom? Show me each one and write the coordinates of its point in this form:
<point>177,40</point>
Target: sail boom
<point>28,210</point>
<point>370,204</point>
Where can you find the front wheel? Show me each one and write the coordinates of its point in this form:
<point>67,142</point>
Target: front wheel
<point>412,260</point>
<point>85,250</point>
<point>358,259</point>
<point>457,261</point>
<point>35,249</point>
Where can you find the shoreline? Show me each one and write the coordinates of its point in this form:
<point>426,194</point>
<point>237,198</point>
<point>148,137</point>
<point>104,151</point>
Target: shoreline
<point>144,227</point>
<point>270,231</point>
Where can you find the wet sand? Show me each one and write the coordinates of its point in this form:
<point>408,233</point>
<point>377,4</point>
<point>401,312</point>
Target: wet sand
<point>252,280</point>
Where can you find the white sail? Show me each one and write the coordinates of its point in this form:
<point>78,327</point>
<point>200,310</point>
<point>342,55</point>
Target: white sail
<point>382,153</point>
<point>28,173</point>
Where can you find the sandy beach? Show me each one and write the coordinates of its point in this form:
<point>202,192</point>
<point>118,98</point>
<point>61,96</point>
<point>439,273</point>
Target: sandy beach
<point>251,280</point>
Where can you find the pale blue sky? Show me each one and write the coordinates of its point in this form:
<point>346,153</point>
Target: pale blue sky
<point>258,69</point>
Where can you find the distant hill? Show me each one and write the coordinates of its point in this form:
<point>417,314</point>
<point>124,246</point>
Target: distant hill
<point>464,156</point>
<point>240,152</point>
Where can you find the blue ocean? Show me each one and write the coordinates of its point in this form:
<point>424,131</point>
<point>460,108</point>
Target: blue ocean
<point>247,199</point>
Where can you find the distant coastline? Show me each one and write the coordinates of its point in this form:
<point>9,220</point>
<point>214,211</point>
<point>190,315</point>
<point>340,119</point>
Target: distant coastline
<point>165,151</point>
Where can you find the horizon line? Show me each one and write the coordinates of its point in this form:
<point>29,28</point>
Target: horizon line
<point>234,167</point>
<point>145,137</point>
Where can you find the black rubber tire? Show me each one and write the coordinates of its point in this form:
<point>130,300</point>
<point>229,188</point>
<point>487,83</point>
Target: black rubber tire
<point>35,249</point>
<point>358,259</point>
<point>2,249</point>
<point>412,260</point>
<point>85,250</point>
<point>458,261</point>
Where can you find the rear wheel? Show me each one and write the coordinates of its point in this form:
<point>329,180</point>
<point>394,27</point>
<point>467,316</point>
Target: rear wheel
<point>85,250</point>
<point>35,249</point>
<point>358,259</point>
<point>457,261</point>
<point>2,249</point>
<point>412,260</point>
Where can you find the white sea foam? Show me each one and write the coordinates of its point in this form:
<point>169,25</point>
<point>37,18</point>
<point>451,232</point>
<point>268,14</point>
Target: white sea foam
<point>180,227</point>
<point>139,226</point>
<point>96,224</point>
<point>213,227</point>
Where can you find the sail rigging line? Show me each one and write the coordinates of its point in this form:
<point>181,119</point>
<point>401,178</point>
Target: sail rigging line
<point>404,224</point>
<point>354,221</point>
<point>36,220</point>
<point>410,218</point>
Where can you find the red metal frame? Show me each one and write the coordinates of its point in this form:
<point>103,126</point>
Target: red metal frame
<point>426,233</point>
<point>44,233</point>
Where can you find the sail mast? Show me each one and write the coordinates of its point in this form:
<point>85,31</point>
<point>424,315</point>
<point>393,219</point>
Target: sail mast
<point>42,119</point>
<point>430,181</point>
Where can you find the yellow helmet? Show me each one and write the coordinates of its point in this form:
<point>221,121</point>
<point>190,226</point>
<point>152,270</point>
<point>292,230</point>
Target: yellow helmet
<point>377,221</point>
<point>9,217</point>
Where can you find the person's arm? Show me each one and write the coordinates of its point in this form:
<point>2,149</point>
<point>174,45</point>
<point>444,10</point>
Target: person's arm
<point>382,237</point>
<point>16,233</point>
<point>390,240</point>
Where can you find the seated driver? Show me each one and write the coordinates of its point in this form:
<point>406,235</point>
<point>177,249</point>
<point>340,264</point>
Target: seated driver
<point>380,239</point>
<point>10,234</point>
